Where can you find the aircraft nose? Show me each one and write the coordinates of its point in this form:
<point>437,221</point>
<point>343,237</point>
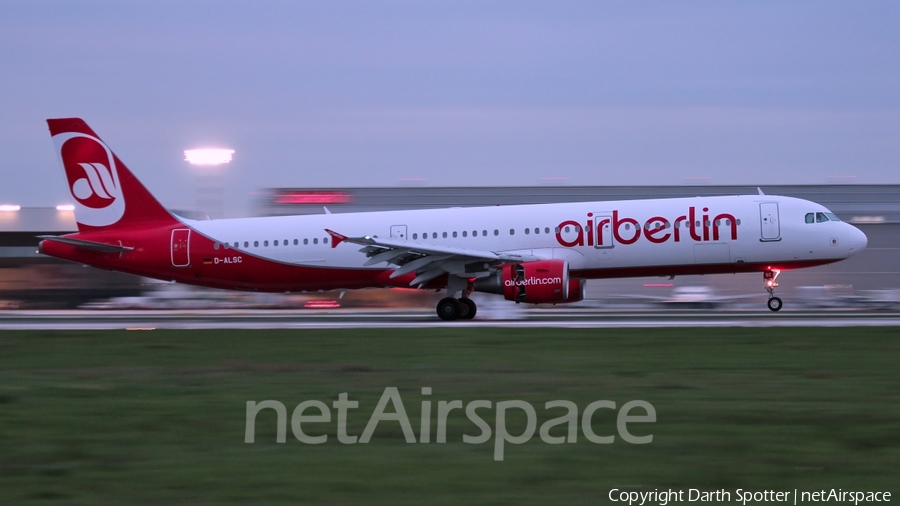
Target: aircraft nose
<point>856,239</point>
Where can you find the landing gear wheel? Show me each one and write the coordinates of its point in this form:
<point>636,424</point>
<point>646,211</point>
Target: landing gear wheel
<point>769,277</point>
<point>448,309</point>
<point>467,308</point>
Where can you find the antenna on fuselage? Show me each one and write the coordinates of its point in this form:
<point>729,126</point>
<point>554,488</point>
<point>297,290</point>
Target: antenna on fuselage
<point>760,190</point>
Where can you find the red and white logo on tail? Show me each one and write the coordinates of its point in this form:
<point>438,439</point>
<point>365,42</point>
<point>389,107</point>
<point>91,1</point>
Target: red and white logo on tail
<point>93,178</point>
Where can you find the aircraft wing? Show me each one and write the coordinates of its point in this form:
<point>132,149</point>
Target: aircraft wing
<point>428,261</point>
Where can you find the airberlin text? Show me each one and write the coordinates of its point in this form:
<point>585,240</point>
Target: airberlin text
<point>602,231</point>
<point>534,281</point>
<point>558,430</point>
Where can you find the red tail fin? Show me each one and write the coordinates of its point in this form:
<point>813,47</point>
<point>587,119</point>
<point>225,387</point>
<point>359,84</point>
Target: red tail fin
<point>106,193</point>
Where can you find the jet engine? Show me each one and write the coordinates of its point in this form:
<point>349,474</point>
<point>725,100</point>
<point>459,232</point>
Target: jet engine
<point>539,282</point>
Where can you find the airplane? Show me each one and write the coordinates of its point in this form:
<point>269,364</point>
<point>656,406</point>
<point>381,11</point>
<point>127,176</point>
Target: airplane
<point>532,254</point>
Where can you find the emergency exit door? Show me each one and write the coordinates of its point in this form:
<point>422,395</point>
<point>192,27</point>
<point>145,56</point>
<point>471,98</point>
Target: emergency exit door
<point>398,232</point>
<point>770,225</point>
<point>181,247</point>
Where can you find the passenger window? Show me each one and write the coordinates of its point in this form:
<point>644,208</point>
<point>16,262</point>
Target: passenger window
<point>305,241</point>
<point>484,233</point>
<point>454,234</point>
<point>496,232</point>
<point>325,241</point>
<point>275,243</point>
<point>527,231</point>
<point>512,231</point>
<point>444,235</point>
<point>434,235</point>
<point>474,233</point>
<point>537,230</point>
<point>296,242</point>
<point>265,243</point>
<point>810,217</point>
<point>246,244</point>
<point>820,217</point>
<point>216,245</point>
<point>415,236</point>
<point>316,240</point>
<point>566,229</point>
<point>546,230</point>
<point>465,234</point>
<point>255,244</point>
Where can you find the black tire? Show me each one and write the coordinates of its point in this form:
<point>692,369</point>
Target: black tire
<point>448,309</point>
<point>468,308</point>
<point>774,304</point>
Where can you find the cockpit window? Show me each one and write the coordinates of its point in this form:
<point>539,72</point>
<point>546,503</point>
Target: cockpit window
<point>821,217</point>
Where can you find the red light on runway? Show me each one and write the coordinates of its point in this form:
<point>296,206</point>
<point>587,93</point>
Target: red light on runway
<point>322,304</point>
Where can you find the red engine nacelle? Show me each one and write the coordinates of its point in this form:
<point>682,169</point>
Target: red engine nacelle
<point>540,282</point>
<point>576,291</point>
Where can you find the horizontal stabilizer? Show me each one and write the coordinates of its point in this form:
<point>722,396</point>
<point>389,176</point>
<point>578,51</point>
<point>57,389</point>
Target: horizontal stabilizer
<point>88,245</point>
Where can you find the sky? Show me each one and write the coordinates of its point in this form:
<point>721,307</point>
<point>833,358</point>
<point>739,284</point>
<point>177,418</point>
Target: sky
<point>388,93</point>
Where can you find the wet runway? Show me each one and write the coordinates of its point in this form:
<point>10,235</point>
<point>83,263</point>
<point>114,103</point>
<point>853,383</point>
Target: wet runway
<point>348,319</point>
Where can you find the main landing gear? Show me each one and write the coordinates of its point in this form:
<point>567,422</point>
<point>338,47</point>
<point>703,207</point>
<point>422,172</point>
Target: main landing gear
<point>449,309</point>
<point>769,276</point>
<point>463,308</point>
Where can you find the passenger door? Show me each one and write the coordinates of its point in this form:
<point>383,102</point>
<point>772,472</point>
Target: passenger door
<point>770,226</point>
<point>181,247</point>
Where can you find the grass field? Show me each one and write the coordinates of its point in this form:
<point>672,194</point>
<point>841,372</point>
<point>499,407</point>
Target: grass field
<point>159,417</point>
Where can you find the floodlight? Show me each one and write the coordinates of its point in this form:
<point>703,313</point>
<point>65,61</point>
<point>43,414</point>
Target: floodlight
<point>208,156</point>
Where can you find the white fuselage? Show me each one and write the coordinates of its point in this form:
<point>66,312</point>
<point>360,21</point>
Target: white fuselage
<point>766,229</point>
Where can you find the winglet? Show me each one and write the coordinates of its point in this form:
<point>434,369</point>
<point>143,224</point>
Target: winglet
<point>336,238</point>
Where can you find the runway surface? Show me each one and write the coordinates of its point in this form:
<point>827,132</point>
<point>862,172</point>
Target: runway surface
<point>337,319</point>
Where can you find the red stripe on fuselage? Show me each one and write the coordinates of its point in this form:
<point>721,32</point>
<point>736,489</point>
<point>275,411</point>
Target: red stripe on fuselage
<point>694,269</point>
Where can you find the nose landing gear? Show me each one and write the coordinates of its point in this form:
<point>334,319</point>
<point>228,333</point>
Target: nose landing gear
<point>769,277</point>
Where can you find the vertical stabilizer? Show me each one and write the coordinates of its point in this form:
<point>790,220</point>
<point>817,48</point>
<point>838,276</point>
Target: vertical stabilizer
<point>106,193</point>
